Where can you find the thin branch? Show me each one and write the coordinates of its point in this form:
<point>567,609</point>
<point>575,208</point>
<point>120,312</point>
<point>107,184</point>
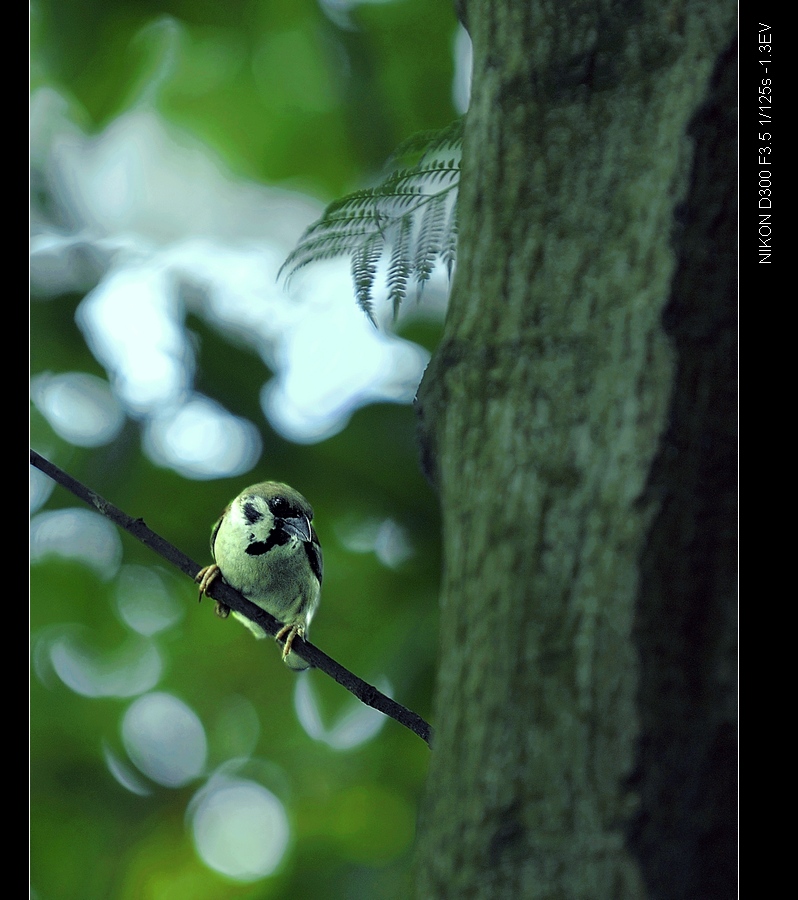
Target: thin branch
<point>219,590</point>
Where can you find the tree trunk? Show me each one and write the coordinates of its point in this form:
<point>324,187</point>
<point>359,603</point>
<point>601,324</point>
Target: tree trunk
<point>542,414</point>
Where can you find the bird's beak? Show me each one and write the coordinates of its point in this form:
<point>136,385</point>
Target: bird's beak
<point>299,526</point>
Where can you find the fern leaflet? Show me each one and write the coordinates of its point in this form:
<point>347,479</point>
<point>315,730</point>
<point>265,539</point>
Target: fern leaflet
<point>400,268</point>
<point>364,267</point>
<point>412,212</point>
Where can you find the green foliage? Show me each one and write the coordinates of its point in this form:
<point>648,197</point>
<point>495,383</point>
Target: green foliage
<point>412,211</point>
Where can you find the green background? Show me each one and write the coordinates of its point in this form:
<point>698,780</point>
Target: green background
<point>288,94</point>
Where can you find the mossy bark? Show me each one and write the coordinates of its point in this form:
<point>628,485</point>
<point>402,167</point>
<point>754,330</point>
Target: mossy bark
<point>542,414</point>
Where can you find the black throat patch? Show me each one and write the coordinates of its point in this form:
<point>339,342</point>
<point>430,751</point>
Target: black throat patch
<point>277,538</point>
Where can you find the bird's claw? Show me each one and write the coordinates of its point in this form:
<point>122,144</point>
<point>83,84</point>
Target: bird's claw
<point>292,631</point>
<point>205,577</point>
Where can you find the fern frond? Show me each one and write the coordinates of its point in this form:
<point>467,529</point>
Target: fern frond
<point>412,210</point>
<point>428,242</point>
<point>361,201</point>
<point>400,267</point>
<point>425,144</point>
<point>396,206</point>
<point>335,239</point>
<point>449,248</point>
<point>325,247</point>
<point>364,268</point>
<point>421,177</point>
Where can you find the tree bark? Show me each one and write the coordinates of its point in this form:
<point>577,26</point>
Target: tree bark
<point>684,832</point>
<point>542,414</point>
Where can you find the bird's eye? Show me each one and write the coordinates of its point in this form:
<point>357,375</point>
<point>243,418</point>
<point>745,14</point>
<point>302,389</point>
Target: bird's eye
<point>280,506</point>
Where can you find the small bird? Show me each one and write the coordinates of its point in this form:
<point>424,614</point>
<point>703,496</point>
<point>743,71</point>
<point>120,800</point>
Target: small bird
<point>265,547</point>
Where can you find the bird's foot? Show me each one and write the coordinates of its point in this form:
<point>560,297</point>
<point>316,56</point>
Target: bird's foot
<point>205,577</point>
<point>292,631</point>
